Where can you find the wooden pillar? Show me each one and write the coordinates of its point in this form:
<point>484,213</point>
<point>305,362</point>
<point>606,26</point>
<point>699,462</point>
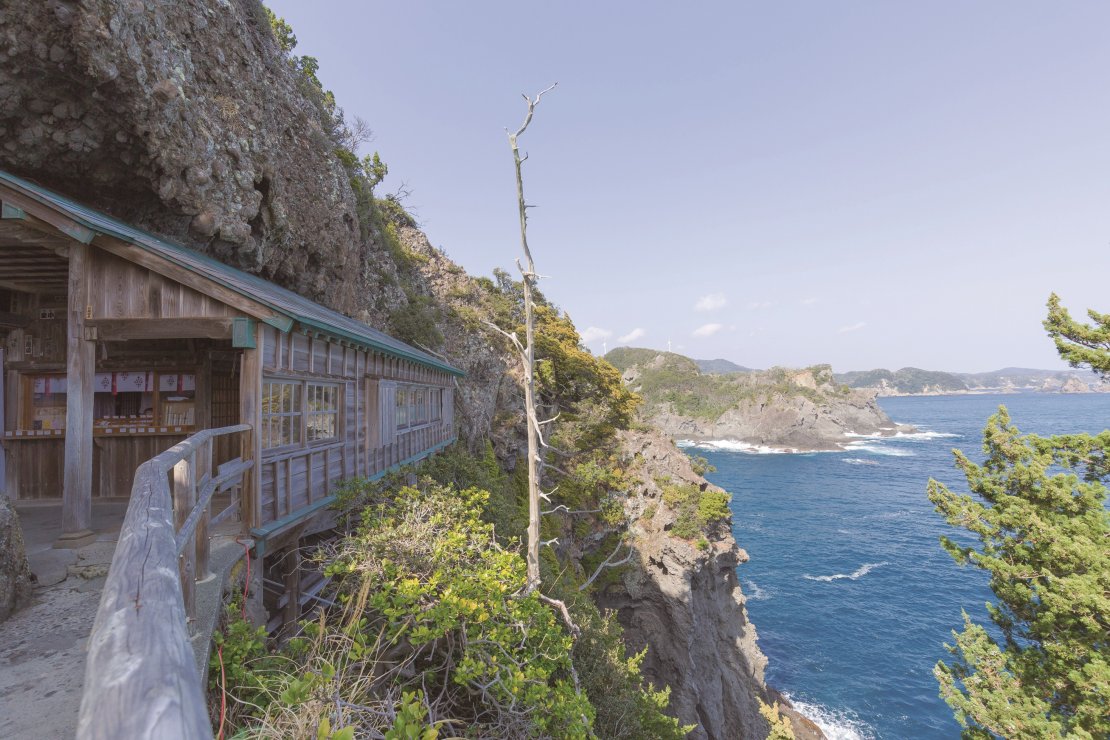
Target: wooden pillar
<point>250,412</point>
<point>80,359</point>
<point>184,499</point>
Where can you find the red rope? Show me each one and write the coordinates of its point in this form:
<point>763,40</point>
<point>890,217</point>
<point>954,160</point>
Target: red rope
<point>223,692</point>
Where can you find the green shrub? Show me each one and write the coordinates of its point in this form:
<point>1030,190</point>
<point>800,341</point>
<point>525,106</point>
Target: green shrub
<point>701,466</point>
<point>625,707</point>
<point>694,508</point>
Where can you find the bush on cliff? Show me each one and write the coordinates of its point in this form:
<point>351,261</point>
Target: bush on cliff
<point>429,601</point>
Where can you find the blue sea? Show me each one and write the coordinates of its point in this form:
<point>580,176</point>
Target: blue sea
<point>851,594</point>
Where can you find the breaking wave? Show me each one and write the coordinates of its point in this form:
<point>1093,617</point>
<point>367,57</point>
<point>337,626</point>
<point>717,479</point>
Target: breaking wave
<point>924,435</point>
<point>836,724</point>
<point>857,574</point>
<point>912,436</point>
<point>730,445</point>
<point>875,449</point>
<point>755,593</point>
<point>859,461</point>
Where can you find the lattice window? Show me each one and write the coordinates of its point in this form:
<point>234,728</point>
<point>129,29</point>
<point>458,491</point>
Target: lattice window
<point>281,413</point>
<point>322,411</point>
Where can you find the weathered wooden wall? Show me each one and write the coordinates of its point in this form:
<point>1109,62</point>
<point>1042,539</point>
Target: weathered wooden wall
<point>298,477</point>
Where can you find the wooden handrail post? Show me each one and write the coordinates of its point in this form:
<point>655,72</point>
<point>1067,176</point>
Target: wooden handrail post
<point>204,458</point>
<point>184,499</point>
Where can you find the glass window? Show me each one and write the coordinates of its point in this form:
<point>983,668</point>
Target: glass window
<point>281,413</point>
<point>401,405</point>
<point>322,409</point>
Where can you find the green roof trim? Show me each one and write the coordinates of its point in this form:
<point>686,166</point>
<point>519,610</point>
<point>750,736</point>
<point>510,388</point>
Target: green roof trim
<point>285,302</point>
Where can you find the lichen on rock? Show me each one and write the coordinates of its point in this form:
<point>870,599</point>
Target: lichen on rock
<point>16,581</point>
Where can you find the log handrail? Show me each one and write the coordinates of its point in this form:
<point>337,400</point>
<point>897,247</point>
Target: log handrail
<point>141,677</point>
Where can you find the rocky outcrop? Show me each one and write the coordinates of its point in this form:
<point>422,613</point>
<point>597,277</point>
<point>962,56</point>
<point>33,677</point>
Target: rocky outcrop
<point>185,118</point>
<point>15,575</point>
<point>684,603</point>
<point>781,408</point>
<point>784,421</point>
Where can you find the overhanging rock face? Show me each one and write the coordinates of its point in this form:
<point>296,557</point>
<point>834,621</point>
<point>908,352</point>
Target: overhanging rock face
<point>184,118</point>
<point>15,575</point>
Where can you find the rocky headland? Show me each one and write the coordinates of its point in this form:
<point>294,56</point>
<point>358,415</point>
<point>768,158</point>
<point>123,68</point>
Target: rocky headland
<point>778,409</point>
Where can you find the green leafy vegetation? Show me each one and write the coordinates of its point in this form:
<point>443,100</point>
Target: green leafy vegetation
<point>694,508</point>
<point>701,466</point>
<point>434,629</point>
<point>780,725</point>
<point>416,322</point>
<point>1039,513</point>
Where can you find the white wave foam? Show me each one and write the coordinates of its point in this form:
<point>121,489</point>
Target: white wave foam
<point>730,445</point>
<point>755,593</point>
<point>836,724</point>
<point>924,435</point>
<point>859,461</point>
<point>878,449</point>
<point>915,436</point>
<point>857,574</point>
<point>890,514</point>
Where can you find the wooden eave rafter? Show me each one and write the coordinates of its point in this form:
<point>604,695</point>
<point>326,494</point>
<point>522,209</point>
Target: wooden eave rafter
<point>43,218</point>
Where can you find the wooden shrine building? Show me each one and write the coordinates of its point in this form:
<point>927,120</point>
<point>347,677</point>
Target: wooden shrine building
<point>116,345</point>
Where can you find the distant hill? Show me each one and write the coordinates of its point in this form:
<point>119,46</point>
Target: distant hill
<point>905,381</point>
<point>721,367</point>
<point>914,381</point>
<point>623,358</point>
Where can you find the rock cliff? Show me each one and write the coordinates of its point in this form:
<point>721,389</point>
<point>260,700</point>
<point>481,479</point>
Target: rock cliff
<point>779,408</point>
<point>682,600</point>
<point>15,574</point>
<point>185,118</point>
<point>684,603</point>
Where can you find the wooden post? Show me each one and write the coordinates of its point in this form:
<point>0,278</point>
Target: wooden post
<point>250,412</point>
<point>80,359</point>
<point>184,499</point>
<point>202,472</point>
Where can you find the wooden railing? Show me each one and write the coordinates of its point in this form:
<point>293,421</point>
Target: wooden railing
<point>141,678</point>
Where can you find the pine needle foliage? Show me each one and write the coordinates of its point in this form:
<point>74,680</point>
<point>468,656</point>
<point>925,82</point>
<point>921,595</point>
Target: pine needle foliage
<point>1079,343</point>
<point>1039,513</point>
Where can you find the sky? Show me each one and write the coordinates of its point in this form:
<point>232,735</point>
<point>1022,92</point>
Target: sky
<point>866,184</point>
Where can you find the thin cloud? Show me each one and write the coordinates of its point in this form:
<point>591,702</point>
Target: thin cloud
<point>851,327</point>
<point>809,301</point>
<point>760,305</point>
<point>631,336</point>
<point>707,330</point>
<point>711,302</point>
<point>593,334</point>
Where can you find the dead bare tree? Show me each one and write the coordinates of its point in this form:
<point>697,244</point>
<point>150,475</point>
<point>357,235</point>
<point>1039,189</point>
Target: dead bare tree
<point>537,445</point>
<point>528,356</point>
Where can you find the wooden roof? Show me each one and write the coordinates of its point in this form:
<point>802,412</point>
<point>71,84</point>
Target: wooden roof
<point>85,224</point>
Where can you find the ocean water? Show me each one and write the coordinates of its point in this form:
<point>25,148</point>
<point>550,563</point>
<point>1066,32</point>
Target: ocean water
<point>850,592</point>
